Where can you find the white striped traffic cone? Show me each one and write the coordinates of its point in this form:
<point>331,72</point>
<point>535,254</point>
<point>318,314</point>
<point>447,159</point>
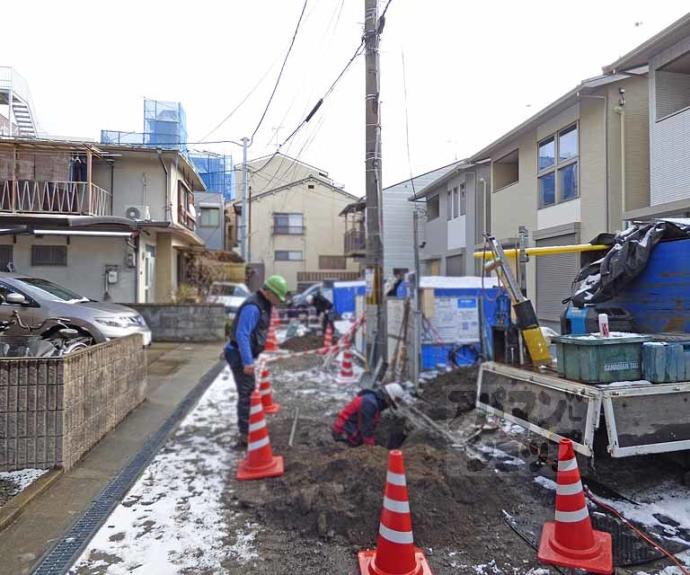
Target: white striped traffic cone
<point>347,372</point>
<point>570,541</point>
<point>266,390</point>
<point>260,461</point>
<point>395,551</point>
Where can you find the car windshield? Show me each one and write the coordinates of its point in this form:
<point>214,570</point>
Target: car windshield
<point>47,289</point>
<point>228,290</point>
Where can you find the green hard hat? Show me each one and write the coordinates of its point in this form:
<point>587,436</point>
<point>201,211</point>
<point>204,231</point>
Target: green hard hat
<point>278,286</point>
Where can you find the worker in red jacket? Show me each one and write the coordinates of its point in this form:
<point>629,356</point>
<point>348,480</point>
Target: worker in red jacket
<point>356,423</point>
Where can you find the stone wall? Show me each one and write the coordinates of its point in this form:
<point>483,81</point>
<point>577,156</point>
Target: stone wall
<point>184,322</point>
<point>54,410</point>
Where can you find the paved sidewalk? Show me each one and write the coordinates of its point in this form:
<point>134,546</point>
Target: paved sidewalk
<point>173,520</point>
<point>174,369</point>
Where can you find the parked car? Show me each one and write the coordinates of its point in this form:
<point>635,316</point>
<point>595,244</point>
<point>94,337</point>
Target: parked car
<point>301,300</point>
<point>37,299</point>
<point>230,294</point>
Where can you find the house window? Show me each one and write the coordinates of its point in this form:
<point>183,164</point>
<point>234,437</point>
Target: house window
<point>507,170</point>
<point>289,256</point>
<point>332,263</point>
<point>432,208</point>
<point>671,83</point>
<point>449,204</point>
<point>463,200</point>
<point>288,224</point>
<point>557,164</point>
<point>209,218</point>
<point>456,203</point>
<point>48,255</point>
<point>547,153</point>
<point>6,257</point>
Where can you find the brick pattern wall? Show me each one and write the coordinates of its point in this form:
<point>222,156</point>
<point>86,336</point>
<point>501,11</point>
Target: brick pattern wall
<point>54,410</point>
<point>184,322</point>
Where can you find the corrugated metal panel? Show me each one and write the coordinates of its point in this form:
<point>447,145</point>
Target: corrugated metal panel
<point>398,247</point>
<point>555,276</point>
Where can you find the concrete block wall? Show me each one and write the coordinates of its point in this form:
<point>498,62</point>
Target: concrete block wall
<point>184,322</point>
<point>54,410</point>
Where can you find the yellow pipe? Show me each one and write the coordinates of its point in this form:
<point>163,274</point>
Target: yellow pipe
<point>547,251</point>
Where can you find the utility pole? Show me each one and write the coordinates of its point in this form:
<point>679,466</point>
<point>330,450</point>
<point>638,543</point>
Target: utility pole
<point>376,305</point>
<point>417,312</point>
<point>244,217</point>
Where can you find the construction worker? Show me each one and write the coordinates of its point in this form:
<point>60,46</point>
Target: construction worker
<point>324,308</point>
<point>247,340</point>
<point>356,423</point>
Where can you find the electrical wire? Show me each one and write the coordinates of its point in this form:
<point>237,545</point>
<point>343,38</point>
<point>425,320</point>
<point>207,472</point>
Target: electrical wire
<point>246,97</point>
<point>280,73</point>
<point>407,126</point>
<point>316,107</point>
<point>671,557</point>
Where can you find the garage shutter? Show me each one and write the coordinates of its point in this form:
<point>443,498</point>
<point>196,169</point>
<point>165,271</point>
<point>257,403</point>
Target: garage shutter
<point>455,265</point>
<point>555,276</point>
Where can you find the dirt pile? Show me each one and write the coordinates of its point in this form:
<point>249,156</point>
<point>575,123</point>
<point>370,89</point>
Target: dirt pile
<point>333,492</point>
<point>450,394</point>
<point>302,343</point>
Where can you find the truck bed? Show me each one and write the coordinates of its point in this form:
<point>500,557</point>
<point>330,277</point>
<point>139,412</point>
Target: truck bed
<point>638,418</point>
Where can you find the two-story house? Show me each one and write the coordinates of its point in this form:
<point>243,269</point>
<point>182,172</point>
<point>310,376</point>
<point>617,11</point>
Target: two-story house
<point>567,174</point>
<point>108,221</point>
<point>456,215</point>
<point>294,222</point>
<point>665,58</point>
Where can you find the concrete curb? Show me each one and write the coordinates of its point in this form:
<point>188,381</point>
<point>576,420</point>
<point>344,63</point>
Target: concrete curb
<point>15,506</point>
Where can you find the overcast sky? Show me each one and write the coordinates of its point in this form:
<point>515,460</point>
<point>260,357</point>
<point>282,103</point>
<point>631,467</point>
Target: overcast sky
<point>474,69</point>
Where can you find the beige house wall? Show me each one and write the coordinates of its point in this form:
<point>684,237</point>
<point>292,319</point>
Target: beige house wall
<point>323,234</point>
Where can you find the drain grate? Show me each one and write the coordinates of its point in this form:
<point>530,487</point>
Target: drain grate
<point>60,558</point>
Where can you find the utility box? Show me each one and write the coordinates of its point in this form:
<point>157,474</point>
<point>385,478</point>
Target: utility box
<point>596,359</point>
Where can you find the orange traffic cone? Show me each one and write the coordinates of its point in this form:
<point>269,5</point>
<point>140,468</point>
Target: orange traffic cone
<point>395,552</point>
<point>272,338</point>
<point>347,372</point>
<point>570,541</point>
<point>327,339</point>
<point>266,391</point>
<point>260,461</point>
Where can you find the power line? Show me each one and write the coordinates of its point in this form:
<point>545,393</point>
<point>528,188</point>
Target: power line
<point>407,124</point>
<point>316,107</point>
<point>246,97</point>
<point>280,74</point>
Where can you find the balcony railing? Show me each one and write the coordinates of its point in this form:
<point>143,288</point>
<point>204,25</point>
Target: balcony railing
<point>44,197</point>
<point>288,230</point>
<point>186,218</point>
<point>355,242</point>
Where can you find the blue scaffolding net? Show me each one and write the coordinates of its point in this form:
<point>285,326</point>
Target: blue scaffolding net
<point>165,126</point>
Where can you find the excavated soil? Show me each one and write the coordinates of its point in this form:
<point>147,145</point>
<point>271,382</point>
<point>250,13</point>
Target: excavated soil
<point>450,394</point>
<point>333,493</point>
<point>302,343</point>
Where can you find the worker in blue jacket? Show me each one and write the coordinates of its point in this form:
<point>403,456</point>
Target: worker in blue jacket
<point>356,423</point>
<point>247,340</point>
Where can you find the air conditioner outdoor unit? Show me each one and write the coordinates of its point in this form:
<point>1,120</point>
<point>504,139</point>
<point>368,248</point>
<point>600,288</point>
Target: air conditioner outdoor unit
<point>141,213</point>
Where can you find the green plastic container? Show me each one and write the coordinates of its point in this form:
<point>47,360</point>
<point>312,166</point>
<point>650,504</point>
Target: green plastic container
<point>596,359</point>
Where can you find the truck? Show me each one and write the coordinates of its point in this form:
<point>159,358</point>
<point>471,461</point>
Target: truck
<point>621,418</point>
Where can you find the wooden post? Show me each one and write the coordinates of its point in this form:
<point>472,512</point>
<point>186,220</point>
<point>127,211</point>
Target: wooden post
<point>13,196</point>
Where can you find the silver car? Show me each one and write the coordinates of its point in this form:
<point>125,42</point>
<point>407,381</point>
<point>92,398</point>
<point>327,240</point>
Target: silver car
<point>230,294</point>
<point>36,299</point>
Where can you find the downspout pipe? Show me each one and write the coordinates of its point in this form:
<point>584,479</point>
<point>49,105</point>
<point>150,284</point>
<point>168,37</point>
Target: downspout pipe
<point>168,210</point>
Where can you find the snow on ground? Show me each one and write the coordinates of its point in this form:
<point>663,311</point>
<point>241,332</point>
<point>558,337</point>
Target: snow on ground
<point>666,506</point>
<point>21,479</point>
<point>683,557</point>
<point>173,520</point>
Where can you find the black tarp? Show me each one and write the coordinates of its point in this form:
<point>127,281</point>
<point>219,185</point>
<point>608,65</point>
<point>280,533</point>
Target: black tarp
<point>630,251</point>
